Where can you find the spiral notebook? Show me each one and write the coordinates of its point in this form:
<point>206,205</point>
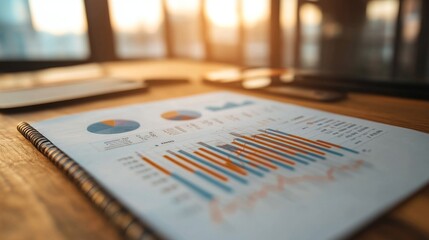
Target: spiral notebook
<point>229,166</point>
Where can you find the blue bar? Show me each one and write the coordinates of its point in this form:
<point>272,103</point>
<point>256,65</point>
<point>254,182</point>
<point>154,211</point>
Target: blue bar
<point>350,150</point>
<point>242,180</point>
<point>192,186</point>
<point>257,173</point>
<point>305,143</point>
<point>213,181</point>
<point>271,150</point>
<point>298,154</point>
<point>238,159</point>
<point>280,164</point>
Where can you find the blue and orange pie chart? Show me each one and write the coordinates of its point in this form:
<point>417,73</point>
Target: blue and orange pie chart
<point>113,126</point>
<point>181,115</point>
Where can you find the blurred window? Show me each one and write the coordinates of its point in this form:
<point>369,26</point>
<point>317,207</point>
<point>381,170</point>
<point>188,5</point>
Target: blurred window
<point>378,35</point>
<point>255,17</point>
<point>371,38</point>
<point>43,30</point>
<point>138,27</point>
<point>223,30</point>
<point>186,28</point>
<point>310,17</point>
<point>288,25</point>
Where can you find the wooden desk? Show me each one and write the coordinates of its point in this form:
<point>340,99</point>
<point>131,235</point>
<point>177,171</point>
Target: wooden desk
<point>38,202</point>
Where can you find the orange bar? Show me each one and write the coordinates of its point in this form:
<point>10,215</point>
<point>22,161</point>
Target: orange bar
<point>294,144</point>
<point>269,145</point>
<point>261,138</point>
<point>257,160</point>
<point>264,153</point>
<point>156,165</point>
<point>310,141</point>
<point>250,163</point>
<point>228,162</point>
<point>260,158</point>
<point>331,144</point>
<point>214,174</point>
<point>178,163</point>
<point>261,152</point>
<point>227,165</point>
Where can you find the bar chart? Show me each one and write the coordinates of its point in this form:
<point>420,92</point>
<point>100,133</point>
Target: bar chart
<point>245,159</point>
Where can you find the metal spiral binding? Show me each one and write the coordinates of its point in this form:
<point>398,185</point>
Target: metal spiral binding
<point>129,225</point>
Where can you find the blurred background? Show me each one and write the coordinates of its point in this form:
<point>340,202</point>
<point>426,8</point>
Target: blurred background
<point>371,38</point>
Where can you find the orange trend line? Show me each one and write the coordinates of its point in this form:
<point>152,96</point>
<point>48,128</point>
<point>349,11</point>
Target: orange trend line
<point>178,163</point>
<point>264,153</point>
<point>214,174</point>
<point>218,212</point>
<point>156,165</point>
<point>294,144</point>
<point>227,164</point>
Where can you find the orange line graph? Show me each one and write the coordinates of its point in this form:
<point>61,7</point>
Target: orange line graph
<point>218,212</point>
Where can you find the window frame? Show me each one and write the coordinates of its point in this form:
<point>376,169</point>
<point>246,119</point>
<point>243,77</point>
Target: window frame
<point>101,39</point>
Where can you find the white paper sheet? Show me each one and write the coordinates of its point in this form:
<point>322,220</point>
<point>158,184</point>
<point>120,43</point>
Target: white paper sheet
<point>229,166</point>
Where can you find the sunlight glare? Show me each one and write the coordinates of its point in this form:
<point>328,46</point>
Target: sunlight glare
<point>310,15</point>
<point>222,13</point>
<point>382,10</point>
<point>183,7</point>
<point>136,15</point>
<point>58,17</point>
<point>288,13</point>
<point>254,11</point>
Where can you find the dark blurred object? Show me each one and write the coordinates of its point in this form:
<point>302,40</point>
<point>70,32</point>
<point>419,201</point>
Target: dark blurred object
<point>164,81</point>
<point>271,81</point>
<point>377,38</point>
<point>380,85</point>
<point>326,87</point>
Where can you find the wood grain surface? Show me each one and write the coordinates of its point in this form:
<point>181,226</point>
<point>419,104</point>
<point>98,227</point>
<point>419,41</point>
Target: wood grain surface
<point>38,202</point>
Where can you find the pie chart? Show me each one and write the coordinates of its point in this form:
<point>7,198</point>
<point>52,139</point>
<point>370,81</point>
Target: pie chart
<point>113,126</point>
<point>181,115</point>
